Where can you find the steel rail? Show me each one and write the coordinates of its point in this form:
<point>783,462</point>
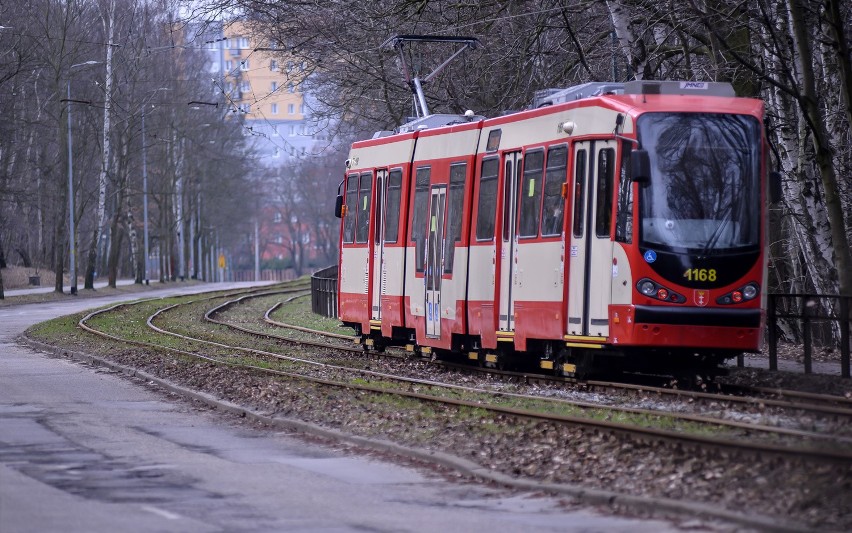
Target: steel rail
<point>705,396</point>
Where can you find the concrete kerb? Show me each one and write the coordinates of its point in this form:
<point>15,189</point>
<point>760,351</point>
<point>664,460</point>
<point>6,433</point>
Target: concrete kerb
<point>584,494</point>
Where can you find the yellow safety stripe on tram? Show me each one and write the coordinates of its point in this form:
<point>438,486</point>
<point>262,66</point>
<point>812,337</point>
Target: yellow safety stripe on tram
<point>582,345</point>
<point>505,333</point>
<point>584,338</point>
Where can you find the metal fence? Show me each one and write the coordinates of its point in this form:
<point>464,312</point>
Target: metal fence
<point>808,321</point>
<point>324,292</point>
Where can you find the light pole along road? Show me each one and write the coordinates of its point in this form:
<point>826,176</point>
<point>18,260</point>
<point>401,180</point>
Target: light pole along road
<point>72,234</point>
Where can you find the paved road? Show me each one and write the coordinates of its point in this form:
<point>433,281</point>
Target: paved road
<point>87,450</point>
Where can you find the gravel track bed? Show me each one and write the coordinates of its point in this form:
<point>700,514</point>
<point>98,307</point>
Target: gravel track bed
<point>802,491</point>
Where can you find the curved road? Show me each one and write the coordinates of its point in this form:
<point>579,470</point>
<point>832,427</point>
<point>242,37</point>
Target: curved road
<point>88,450</point>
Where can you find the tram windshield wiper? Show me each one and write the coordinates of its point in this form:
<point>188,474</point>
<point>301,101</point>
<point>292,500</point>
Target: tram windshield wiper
<point>710,245</point>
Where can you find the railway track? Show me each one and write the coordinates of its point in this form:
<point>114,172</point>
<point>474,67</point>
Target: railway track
<point>647,424</point>
<point>759,397</point>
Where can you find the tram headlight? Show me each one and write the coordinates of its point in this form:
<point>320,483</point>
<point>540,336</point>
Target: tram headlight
<point>749,291</point>
<point>648,288</point>
<point>742,294</point>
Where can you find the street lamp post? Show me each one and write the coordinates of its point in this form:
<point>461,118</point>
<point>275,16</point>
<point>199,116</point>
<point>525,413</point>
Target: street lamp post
<point>145,192</point>
<point>71,233</point>
<point>72,236</point>
<point>145,202</point>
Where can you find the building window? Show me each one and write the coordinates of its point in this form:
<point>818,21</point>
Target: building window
<point>273,64</point>
<point>291,88</point>
<point>302,109</point>
<point>289,66</point>
<point>228,43</point>
<point>274,86</point>
<point>245,108</point>
<point>277,153</point>
<point>245,86</point>
<point>244,64</point>
<point>277,217</point>
<point>292,131</point>
<point>244,42</point>
<point>291,108</point>
<point>229,65</point>
<point>274,109</point>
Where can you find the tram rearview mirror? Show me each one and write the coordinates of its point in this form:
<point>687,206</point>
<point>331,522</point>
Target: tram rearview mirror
<point>338,206</point>
<point>640,164</point>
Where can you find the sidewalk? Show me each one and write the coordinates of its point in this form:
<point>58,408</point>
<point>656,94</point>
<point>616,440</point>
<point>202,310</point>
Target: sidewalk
<point>45,290</point>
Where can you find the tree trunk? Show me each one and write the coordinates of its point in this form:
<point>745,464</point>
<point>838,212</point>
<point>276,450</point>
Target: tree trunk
<point>109,22</point>
<point>823,153</point>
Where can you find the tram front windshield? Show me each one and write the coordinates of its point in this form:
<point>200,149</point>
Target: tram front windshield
<point>704,192</point>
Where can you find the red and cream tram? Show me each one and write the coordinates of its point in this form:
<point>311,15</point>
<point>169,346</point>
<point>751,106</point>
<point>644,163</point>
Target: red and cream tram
<point>623,223</point>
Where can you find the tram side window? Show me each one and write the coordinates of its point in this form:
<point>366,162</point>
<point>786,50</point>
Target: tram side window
<point>392,215</point>
<point>603,200</point>
<point>531,193</point>
<point>624,215</point>
<point>554,204</point>
<point>487,208</point>
<point>579,193</point>
<point>458,172</point>
<point>351,202</point>
<point>362,222</point>
<point>420,226</point>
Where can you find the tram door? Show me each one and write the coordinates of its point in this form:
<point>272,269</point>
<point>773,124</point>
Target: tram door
<point>377,277</point>
<point>508,244</point>
<point>590,270</point>
<point>435,260</point>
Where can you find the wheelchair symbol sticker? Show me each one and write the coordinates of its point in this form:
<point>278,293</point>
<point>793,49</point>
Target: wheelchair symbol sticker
<point>650,256</point>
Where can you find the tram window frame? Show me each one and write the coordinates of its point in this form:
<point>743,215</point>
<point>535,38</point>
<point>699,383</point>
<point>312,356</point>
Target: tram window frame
<point>624,209</point>
<point>581,164</point>
<point>554,177</point>
<point>486,213</point>
<point>455,210</point>
<point>529,216</point>
<point>603,194</point>
<point>394,199</point>
<point>351,211</point>
<point>362,221</point>
<point>420,216</point>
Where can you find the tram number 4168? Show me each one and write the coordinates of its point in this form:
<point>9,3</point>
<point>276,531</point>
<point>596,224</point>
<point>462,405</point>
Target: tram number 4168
<point>700,274</point>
